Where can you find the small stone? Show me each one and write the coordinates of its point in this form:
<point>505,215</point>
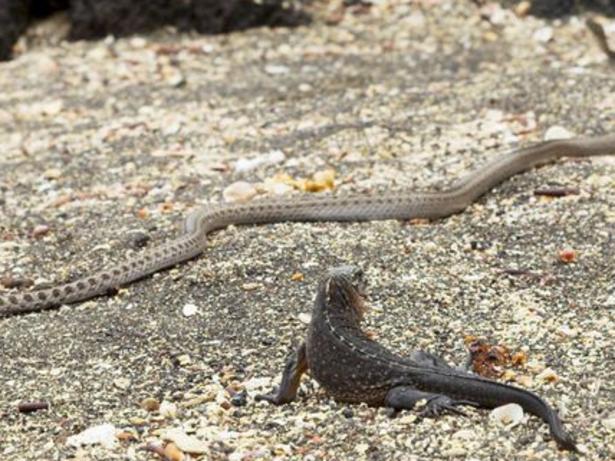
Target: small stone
<point>172,453</point>
<point>508,415</point>
<point>138,42</point>
<point>122,383</point>
<point>523,8</point>
<point>184,360</point>
<point>150,404</point>
<point>103,434</point>
<point>185,442</point>
<point>52,173</point>
<point>297,277</point>
<point>465,434</point>
<point>189,310</point>
<point>568,332</point>
<point>174,77</point>
<point>567,256</point>
<point>239,192</point>
<point>524,380</point>
<point>548,375</point>
<point>137,421</point>
<point>304,317</point>
<point>609,423</point>
<point>40,230</point>
<point>543,35</point>
<point>245,165</point>
<point>273,69</point>
<point>557,132</point>
<point>138,239</point>
<point>250,286</point>
<point>168,409</point>
<point>240,399</point>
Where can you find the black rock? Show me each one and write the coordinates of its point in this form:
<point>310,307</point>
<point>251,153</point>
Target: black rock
<point>96,19</point>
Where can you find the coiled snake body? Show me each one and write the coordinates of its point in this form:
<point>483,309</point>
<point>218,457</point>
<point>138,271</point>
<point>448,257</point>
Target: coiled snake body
<point>393,205</point>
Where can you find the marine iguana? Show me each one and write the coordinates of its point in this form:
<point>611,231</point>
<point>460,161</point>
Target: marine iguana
<point>353,368</point>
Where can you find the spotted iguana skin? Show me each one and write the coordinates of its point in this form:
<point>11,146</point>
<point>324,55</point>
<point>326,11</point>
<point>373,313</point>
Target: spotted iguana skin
<point>353,368</point>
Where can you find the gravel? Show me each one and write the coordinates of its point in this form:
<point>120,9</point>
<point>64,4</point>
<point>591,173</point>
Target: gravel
<point>107,144</point>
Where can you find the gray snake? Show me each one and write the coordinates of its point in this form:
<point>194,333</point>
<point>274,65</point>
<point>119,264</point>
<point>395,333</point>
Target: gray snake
<point>392,205</point>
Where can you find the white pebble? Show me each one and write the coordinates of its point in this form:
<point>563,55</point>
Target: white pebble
<point>239,192</point>
<point>271,158</point>
<point>103,434</point>
<point>168,409</point>
<point>273,69</point>
<point>557,132</point>
<point>185,442</point>
<point>609,423</point>
<point>508,415</point>
<point>305,318</point>
<point>543,35</point>
<point>189,310</point>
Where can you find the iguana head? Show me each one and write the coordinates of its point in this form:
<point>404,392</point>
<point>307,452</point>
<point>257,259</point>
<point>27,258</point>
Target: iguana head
<point>345,289</point>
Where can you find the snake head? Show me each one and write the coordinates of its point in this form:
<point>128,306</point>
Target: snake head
<point>345,287</point>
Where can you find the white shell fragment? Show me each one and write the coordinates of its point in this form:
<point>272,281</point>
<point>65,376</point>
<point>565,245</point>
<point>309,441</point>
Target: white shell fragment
<point>304,317</point>
<point>244,165</point>
<point>185,442</point>
<point>189,310</point>
<point>103,434</point>
<point>609,423</point>
<point>239,192</point>
<point>507,415</point>
<point>557,132</point>
<point>168,409</point>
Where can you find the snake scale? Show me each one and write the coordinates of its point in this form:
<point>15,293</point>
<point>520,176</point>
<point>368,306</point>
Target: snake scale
<point>392,205</point>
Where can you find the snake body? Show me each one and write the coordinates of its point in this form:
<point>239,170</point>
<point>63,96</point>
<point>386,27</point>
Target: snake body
<point>393,205</point>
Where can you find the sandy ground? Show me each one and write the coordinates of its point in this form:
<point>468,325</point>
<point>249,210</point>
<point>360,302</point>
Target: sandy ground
<point>106,145</point>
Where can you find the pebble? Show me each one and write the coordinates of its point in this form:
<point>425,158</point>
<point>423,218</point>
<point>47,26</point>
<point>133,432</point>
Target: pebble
<point>138,239</point>
<point>508,415</point>
<point>103,434</point>
<point>465,434</point>
<point>548,375</point>
<point>543,35</point>
<point>273,69</point>
<point>185,442</point>
<point>173,453</point>
<point>245,165</point>
<point>557,132</point>
<point>609,423</point>
<point>239,192</point>
<point>305,318</point>
<point>121,383</point>
<point>52,173</point>
<point>189,310</point>
<point>168,409</point>
<point>250,286</point>
<point>567,256</point>
<point>150,404</point>
<point>240,399</point>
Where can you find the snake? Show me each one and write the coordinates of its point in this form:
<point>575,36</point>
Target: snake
<point>400,205</point>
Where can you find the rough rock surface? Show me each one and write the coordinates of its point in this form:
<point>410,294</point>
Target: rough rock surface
<point>96,19</point>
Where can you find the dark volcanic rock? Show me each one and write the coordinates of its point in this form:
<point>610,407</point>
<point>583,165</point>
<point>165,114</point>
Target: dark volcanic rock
<point>90,20</point>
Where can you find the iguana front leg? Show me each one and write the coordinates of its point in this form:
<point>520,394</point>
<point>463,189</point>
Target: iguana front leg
<point>286,392</point>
